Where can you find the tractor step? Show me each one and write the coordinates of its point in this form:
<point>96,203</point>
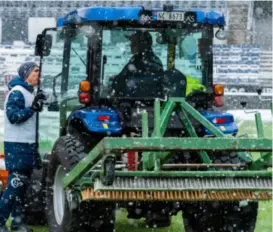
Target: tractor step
<point>184,184</point>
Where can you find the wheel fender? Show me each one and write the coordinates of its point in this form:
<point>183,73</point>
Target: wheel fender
<point>96,120</point>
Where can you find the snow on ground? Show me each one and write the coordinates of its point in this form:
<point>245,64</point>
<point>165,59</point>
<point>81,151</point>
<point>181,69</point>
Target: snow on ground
<point>239,115</point>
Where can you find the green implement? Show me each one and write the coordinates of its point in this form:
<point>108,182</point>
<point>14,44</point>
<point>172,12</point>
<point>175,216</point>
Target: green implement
<point>254,184</point>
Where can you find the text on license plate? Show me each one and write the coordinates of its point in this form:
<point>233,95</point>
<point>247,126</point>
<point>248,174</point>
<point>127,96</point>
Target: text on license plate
<point>171,16</point>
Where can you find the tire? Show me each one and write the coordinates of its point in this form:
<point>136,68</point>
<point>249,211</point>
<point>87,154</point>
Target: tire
<point>35,200</point>
<point>35,218</point>
<point>220,216</point>
<point>108,176</point>
<point>84,216</point>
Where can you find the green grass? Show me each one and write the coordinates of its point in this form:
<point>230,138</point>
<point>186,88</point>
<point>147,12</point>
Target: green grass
<point>123,224</point>
<point>249,127</point>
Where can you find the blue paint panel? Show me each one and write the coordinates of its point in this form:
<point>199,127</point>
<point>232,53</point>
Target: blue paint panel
<point>229,127</point>
<point>210,115</point>
<point>130,13</point>
<point>213,17</point>
<point>60,22</point>
<point>102,14</point>
<point>90,118</point>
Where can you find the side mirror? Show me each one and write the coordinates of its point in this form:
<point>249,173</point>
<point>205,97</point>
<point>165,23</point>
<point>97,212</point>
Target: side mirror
<point>221,34</point>
<point>43,45</point>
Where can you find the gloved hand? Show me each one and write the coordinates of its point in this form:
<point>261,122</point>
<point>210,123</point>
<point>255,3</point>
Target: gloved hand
<point>37,104</point>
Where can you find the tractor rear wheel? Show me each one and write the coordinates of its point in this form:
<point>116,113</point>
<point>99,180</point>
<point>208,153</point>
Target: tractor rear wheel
<point>221,216</point>
<point>64,212</point>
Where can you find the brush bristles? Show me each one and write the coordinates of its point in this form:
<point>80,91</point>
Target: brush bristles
<point>238,195</point>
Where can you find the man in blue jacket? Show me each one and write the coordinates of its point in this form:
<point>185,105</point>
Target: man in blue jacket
<point>20,146</point>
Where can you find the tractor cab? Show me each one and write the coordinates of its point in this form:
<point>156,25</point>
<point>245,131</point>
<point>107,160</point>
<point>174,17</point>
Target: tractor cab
<point>168,52</point>
<point>114,62</point>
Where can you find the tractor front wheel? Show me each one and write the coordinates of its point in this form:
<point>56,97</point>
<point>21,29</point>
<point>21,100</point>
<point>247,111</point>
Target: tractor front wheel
<point>64,212</point>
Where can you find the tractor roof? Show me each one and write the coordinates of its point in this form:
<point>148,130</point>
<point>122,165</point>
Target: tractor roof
<point>130,13</point>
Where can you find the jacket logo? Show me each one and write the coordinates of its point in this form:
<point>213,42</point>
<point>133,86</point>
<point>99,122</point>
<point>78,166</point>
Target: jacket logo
<point>16,181</point>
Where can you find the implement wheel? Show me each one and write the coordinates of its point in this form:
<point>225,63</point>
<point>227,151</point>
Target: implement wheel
<point>64,211</point>
<point>108,176</point>
<point>221,216</point>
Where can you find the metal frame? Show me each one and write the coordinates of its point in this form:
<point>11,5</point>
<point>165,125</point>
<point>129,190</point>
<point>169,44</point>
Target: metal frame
<point>156,148</point>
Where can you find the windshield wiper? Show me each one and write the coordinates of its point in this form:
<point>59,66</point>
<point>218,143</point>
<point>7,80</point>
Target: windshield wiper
<point>79,56</point>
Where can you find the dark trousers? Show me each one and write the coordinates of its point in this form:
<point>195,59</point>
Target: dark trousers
<point>12,200</point>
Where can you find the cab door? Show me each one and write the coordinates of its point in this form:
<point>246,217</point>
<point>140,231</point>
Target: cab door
<point>51,69</point>
<point>63,66</point>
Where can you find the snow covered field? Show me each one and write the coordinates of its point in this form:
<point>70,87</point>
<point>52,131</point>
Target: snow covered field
<point>239,115</point>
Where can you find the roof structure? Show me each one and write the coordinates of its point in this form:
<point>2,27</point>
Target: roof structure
<point>131,13</point>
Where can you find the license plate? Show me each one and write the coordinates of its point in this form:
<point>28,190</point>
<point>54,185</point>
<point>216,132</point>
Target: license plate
<point>171,16</point>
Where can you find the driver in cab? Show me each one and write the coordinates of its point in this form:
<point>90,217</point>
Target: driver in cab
<point>142,63</point>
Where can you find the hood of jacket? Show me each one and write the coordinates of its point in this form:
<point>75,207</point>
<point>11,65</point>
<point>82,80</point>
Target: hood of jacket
<point>19,81</point>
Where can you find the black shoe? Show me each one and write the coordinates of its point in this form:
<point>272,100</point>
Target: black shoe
<point>4,229</point>
<point>21,228</point>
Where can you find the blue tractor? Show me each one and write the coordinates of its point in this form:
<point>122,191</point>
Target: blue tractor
<point>103,69</point>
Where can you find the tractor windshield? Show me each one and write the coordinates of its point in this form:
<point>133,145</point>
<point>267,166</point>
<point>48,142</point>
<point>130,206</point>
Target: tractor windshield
<point>151,62</point>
